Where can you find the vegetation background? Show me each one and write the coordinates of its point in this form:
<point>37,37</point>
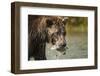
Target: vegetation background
<point>77,24</point>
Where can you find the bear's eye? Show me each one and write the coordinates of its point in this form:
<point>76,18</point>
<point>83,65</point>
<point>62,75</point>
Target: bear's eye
<point>53,41</point>
<point>49,23</point>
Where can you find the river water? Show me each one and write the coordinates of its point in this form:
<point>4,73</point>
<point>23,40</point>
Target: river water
<point>77,47</point>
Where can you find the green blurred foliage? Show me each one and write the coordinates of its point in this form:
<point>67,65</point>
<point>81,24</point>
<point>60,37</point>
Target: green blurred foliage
<point>77,24</point>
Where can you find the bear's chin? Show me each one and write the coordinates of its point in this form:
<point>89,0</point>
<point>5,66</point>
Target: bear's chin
<point>55,47</point>
<point>61,51</point>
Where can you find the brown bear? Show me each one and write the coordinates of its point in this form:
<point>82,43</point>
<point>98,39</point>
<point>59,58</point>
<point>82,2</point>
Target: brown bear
<point>42,30</point>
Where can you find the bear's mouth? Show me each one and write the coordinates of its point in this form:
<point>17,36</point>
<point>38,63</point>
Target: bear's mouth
<point>58,48</point>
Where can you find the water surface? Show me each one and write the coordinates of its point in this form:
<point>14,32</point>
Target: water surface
<point>77,47</point>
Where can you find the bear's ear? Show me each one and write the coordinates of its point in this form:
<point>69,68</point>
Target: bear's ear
<point>49,22</point>
<point>65,19</point>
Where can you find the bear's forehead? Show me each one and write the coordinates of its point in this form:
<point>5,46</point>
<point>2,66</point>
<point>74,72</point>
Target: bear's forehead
<point>56,18</point>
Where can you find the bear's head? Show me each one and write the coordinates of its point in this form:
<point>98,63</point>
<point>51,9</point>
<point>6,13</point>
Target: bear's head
<point>56,32</point>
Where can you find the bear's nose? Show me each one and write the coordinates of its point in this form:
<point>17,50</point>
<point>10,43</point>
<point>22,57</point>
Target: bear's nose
<point>64,45</point>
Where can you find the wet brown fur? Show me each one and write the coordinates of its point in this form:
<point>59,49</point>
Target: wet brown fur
<point>38,36</point>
